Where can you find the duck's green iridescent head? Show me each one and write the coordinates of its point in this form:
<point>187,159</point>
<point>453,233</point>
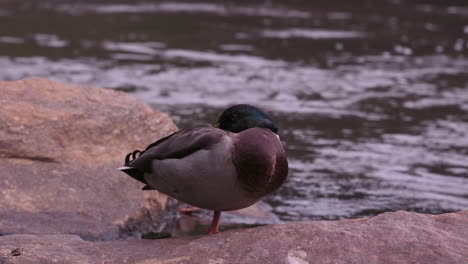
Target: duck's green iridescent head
<point>240,117</point>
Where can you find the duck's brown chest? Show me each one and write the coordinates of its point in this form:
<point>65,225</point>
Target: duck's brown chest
<point>260,160</point>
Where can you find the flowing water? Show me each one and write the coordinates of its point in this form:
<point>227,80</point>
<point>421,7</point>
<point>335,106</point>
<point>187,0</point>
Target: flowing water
<point>371,97</point>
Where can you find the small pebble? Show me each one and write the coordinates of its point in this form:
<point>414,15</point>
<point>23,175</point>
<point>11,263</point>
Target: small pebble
<point>16,252</point>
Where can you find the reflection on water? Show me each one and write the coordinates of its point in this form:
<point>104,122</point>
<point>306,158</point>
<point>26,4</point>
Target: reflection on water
<point>371,96</point>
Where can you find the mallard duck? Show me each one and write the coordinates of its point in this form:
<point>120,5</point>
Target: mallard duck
<point>225,167</point>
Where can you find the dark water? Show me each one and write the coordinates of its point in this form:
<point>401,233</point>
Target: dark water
<point>371,96</point>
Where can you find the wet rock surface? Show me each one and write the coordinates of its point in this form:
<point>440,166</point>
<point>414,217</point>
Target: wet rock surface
<point>395,237</point>
<point>59,147</point>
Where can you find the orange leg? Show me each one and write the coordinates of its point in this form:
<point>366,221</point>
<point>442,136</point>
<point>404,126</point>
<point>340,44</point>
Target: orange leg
<point>214,225</point>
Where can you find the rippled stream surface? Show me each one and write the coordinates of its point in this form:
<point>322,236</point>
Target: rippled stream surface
<point>371,96</point>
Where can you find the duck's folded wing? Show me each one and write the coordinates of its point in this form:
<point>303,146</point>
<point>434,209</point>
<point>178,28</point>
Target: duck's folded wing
<point>178,146</point>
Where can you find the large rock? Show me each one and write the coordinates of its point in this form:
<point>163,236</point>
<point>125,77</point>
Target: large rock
<point>59,147</point>
<point>399,237</point>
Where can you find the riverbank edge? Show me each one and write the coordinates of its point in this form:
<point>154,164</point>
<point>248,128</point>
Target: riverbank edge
<point>393,237</point>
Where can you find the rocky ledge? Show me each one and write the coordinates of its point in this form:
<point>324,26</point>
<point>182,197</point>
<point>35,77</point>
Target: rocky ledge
<point>59,147</point>
<point>396,237</point>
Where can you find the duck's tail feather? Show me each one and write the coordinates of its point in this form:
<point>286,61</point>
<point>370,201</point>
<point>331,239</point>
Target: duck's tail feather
<point>132,156</point>
<point>134,173</point>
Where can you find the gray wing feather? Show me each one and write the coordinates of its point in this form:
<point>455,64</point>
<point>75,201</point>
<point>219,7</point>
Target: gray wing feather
<point>178,145</point>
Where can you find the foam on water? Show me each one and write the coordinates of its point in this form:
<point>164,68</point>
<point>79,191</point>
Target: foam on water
<point>312,34</point>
